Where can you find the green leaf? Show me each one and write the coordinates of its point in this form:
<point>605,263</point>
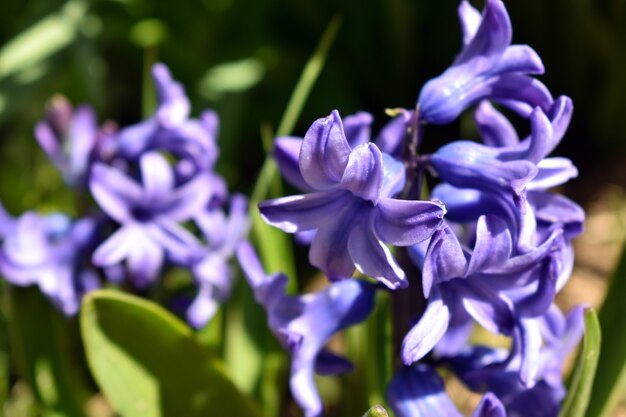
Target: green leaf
<point>610,383</point>
<point>148,363</point>
<point>46,346</point>
<point>575,405</point>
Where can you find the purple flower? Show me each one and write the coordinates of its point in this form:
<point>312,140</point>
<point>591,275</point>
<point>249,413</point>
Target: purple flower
<point>49,252</point>
<point>150,214</point>
<point>418,391</point>
<point>69,138</point>
<point>492,284</point>
<point>210,268</point>
<point>497,370</point>
<point>170,129</point>
<point>305,324</point>
<point>488,67</point>
<point>351,209</point>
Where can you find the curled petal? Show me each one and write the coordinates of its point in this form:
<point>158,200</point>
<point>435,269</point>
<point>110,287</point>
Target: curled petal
<point>117,247</point>
<point>493,35</point>
<point>363,174</point>
<point>560,116</point>
<point>407,222</point>
<point>493,244</point>
<point>156,175</point>
<point>521,93</point>
<point>115,192</point>
<point>373,258</point>
<point>329,249</point>
<point>287,155</point>
<point>489,406</point>
<point>392,135</point>
<point>494,128</point>
<point>444,260</point>
<point>520,58</point>
<point>304,212</point>
<point>144,261</point>
<point>394,176</point>
<point>431,327</point>
<point>553,172</point>
<point>324,153</point>
<point>419,392</point>
<point>174,106</point>
<point>358,128</point>
<point>486,306</point>
<point>470,18</point>
<point>187,201</point>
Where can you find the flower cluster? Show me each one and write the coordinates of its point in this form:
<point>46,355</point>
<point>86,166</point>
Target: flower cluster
<point>493,244</point>
<point>154,185</point>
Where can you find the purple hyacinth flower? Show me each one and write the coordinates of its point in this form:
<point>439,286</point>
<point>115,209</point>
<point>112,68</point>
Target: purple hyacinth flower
<point>210,268</point>
<point>497,370</point>
<point>305,324</point>
<point>149,214</point>
<point>467,164</point>
<point>418,391</point>
<point>357,128</point>
<point>69,138</point>
<point>49,252</point>
<point>351,209</point>
<point>171,128</point>
<point>488,67</point>
<point>460,285</point>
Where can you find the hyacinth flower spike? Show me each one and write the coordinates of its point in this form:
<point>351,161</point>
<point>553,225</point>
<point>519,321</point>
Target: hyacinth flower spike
<point>497,370</point>
<point>210,268</point>
<point>170,128</point>
<point>49,252</point>
<point>418,391</point>
<point>460,285</point>
<point>69,138</point>
<point>150,214</point>
<point>351,209</point>
<point>488,67</point>
<point>304,324</point>
<point>357,128</point>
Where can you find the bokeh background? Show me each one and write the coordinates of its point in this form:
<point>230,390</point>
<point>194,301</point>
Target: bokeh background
<point>243,58</point>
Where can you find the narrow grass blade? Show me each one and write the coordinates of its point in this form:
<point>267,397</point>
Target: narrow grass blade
<point>575,405</point>
<point>610,383</point>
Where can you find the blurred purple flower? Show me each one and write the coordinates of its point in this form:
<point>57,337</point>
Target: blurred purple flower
<point>150,213</point>
<point>49,251</point>
<point>305,324</point>
<point>171,129</point>
<point>351,209</point>
<point>488,67</point>
<point>69,137</point>
<point>418,391</point>
<point>210,268</point>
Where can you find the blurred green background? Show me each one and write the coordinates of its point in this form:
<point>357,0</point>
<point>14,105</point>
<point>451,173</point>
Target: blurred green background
<point>243,58</point>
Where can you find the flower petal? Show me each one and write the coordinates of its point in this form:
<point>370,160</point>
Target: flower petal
<point>304,212</point>
<point>430,328</point>
<point>444,260</point>
<point>114,192</point>
<point>407,222</point>
<point>470,18</point>
<point>156,175</point>
<point>287,155</point>
<point>418,391</point>
<point>493,244</point>
<point>357,128</point>
<point>324,153</point>
<point>489,406</point>
<point>174,106</point>
<point>494,128</point>
<point>373,258</point>
<point>364,173</point>
<point>519,58</point>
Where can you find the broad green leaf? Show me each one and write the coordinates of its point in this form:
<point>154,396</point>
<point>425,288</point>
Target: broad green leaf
<point>46,347</point>
<point>575,405</point>
<point>148,363</point>
<point>610,383</point>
